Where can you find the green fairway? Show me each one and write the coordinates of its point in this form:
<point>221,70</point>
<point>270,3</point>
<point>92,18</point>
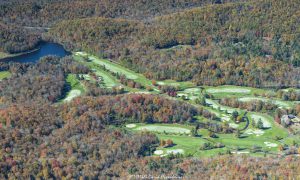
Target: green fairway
<point>229,89</point>
<point>189,145</point>
<point>4,74</point>
<point>279,103</point>
<point>180,84</point>
<point>116,68</point>
<point>233,91</point>
<point>108,80</point>
<point>184,143</point>
<point>76,87</point>
<point>164,128</point>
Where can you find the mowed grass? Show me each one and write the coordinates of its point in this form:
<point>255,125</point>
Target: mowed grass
<point>191,145</point>
<point>109,81</point>
<point>116,68</point>
<point>167,128</point>
<point>233,91</point>
<point>180,84</point>
<point>4,74</point>
<point>280,103</point>
<point>76,87</point>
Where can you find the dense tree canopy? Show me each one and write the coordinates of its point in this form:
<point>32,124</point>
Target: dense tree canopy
<point>209,42</point>
<point>15,39</point>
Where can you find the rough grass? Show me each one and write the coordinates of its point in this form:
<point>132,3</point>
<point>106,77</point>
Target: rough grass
<point>4,74</point>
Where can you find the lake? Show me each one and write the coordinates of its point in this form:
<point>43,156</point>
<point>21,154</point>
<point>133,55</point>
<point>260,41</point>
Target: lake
<point>45,49</point>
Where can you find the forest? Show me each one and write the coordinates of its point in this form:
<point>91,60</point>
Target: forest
<point>180,46</point>
<point>47,12</point>
<point>191,89</point>
<point>15,39</point>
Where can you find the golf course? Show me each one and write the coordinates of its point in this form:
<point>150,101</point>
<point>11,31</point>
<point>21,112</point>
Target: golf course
<point>246,136</point>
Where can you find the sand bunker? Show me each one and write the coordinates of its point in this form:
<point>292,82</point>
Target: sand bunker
<point>175,151</point>
<point>131,125</point>
<point>158,152</point>
<point>257,132</point>
<point>270,145</point>
<point>228,90</point>
<point>73,94</point>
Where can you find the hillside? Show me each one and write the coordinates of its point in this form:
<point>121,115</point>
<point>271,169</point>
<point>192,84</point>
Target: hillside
<point>47,12</point>
<point>199,43</point>
<point>149,89</point>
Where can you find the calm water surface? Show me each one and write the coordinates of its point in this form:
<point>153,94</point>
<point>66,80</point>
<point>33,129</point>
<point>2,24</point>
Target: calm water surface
<point>45,49</point>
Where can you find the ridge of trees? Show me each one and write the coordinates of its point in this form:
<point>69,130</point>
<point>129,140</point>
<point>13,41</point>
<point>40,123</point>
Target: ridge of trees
<point>182,46</point>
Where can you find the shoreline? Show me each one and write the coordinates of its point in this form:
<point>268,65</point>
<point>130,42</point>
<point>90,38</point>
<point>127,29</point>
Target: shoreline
<point>4,59</point>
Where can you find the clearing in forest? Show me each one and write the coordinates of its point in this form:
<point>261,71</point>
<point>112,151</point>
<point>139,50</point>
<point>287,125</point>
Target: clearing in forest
<point>228,89</point>
<point>277,102</point>
<point>72,94</point>
<point>164,128</point>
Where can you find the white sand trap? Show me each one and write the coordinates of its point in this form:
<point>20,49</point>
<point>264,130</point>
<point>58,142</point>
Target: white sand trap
<point>192,90</point>
<point>257,132</point>
<point>233,125</point>
<point>225,118</point>
<point>240,152</point>
<point>131,125</point>
<point>175,151</point>
<point>167,129</point>
<point>192,97</point>
<point>158,152</point>
<point>265,121</point>
<point>143,92</point>
<point>181,94</point>
<point>73,94</point>
<point>81,53</point>
<point>270,145</point>
<point>228,90</point>
<point>161,83</point>
<point>86,77</point>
